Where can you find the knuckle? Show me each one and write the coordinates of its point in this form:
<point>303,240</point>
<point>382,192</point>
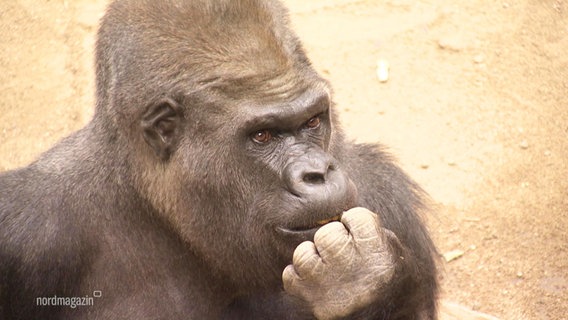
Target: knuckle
<point>359,217</point>
<point>303,252</point>
<point>288,274</point>
<point>330,233</point>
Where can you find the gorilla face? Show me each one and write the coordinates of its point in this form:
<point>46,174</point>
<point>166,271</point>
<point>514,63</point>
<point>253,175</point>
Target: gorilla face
<point>288,143</point>
<point>269,157</point>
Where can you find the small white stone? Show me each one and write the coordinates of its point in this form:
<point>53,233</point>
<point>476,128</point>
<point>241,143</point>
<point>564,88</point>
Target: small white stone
<point>479,58</point>
<point>453,255</point>
<point>451,43</point>
<point>383,70</point>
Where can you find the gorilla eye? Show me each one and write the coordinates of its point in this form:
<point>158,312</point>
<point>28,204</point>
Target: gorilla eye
<point>313,122</point>
<point>262,136</point>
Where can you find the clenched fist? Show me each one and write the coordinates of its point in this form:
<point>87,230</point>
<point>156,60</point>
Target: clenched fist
<point>346,266</point>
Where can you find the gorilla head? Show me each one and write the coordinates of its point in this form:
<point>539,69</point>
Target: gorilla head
<point>227,129</point>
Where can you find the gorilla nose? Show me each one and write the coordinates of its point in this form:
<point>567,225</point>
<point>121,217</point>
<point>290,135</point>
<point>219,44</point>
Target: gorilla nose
<point>315,176</point>
<point>319,185</point>
<point>307,176</point>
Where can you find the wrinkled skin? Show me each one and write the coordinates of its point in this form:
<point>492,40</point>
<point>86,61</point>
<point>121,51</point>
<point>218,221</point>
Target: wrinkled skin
<point>344,268</point>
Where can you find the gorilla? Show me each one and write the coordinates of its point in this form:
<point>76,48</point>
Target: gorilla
<point>213,182</point>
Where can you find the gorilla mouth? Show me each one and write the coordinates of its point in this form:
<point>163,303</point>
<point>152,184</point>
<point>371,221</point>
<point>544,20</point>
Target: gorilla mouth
<point>316,224</point>
<point>308,231</point>
<point>326,221</point>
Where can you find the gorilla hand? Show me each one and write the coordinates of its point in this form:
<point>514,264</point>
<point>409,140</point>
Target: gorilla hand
<point>346,267</point>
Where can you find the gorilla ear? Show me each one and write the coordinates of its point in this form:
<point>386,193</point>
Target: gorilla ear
<point>160,126</point>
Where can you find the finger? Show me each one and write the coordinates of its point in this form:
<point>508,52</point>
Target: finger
<point>306,260</point>
<point>290,278</point>
<point>332,240</point>
<point>363,225</point>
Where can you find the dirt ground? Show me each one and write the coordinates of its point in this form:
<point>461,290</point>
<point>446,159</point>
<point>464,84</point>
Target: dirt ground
<point>475,108</point>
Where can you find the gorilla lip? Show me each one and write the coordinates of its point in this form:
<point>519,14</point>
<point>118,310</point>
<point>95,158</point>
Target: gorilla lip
<point>312,227</point>
<point>326,221</point>
<point>318,224</point>
<point>305,232</point>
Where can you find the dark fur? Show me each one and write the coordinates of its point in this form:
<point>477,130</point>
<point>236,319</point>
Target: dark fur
<point>172,219</point>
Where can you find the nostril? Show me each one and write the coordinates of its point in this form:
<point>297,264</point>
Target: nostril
<point>314,178</point>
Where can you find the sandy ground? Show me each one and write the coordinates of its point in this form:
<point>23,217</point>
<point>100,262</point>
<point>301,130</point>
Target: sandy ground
<point>475,108</point>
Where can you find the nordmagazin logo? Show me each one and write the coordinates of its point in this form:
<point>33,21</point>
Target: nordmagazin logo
<point>71,302</point>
